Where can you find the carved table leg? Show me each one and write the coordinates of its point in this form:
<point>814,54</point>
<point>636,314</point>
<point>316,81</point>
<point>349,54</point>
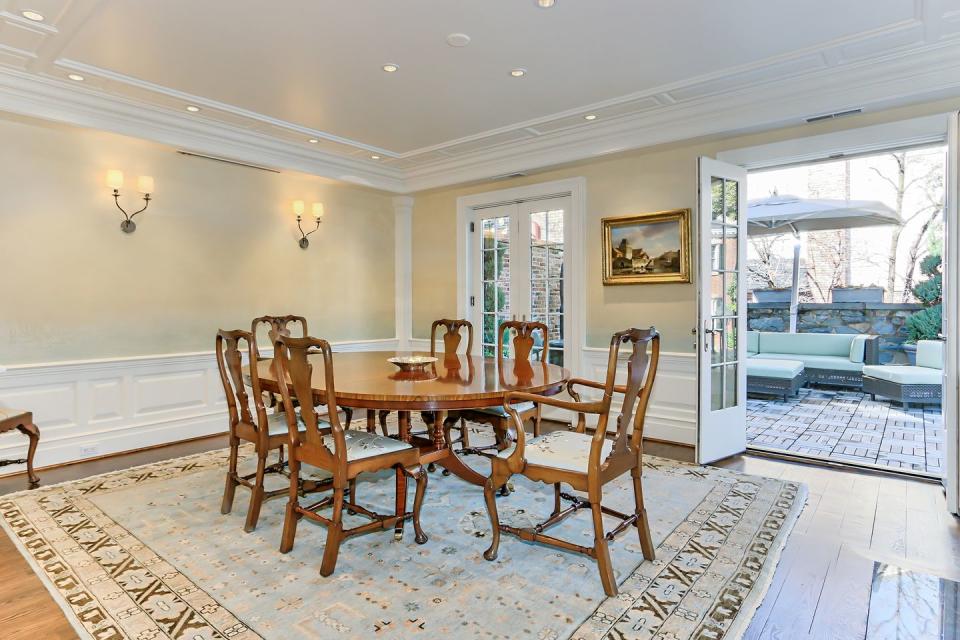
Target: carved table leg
<point>33,433</point>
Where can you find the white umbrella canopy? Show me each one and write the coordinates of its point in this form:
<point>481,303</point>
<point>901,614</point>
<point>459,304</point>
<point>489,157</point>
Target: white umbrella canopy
<point>778,214</point>
<point>783,214</point>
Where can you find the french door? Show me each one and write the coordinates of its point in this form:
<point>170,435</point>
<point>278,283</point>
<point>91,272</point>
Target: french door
<point>518,271</point>
<point>951,317</point>
<point>721,344</point>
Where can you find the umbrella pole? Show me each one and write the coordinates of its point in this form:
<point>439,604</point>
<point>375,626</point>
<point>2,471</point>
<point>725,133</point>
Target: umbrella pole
<point>795,289</point>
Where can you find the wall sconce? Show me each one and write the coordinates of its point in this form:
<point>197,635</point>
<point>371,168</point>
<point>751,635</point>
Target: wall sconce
<point>317,210</point>
<point>144,185</point>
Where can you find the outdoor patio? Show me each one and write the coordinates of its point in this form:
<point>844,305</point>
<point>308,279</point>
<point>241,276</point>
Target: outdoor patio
<point>847,426</point>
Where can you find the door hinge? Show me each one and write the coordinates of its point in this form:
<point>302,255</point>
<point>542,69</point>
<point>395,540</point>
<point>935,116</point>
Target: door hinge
<point>473,301</point>
<point>473,227</point>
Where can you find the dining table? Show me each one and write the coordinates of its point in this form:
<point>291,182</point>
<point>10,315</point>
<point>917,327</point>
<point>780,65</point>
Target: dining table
<point>368,380</point>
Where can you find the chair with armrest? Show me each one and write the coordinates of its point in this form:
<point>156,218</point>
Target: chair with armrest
<point>585,462</point>
<point>342,453</point>
<point>524,341</point>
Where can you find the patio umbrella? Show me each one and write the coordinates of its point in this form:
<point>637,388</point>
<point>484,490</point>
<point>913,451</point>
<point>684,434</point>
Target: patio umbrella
<point>778,214</point>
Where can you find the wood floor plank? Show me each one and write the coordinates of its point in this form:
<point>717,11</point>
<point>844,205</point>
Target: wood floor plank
<point>845,599</point>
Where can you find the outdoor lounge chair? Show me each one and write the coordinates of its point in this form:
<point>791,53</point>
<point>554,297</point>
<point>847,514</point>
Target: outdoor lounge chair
<point>920,384</point>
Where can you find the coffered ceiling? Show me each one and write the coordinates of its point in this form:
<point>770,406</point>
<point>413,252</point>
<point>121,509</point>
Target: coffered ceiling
<point>268,77</point>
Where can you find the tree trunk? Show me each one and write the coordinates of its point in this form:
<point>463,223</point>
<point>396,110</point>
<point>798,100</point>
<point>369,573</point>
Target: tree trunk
<point>901,159</point>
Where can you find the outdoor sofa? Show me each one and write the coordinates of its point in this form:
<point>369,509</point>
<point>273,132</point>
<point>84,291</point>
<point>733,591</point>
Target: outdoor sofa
<point>921,383</point>
<point>781,363</point>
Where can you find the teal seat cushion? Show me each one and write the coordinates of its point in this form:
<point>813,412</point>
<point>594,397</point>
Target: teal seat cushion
<point>904,374</point>
<point>521,408</point>
<point>930,354</point>
<point>814,362</point>
<point>769,368</point>
<point>811,344</point>
<point>753,342</point>
<point>564,450</point>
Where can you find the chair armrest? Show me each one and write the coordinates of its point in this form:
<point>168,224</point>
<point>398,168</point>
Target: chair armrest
<point>578,407</point>
<point>871,350</point>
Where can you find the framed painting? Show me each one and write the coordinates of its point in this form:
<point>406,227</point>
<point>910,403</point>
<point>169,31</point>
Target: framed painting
<point>647,248</point>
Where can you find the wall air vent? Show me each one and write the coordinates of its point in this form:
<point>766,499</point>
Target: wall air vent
<point>507,176</point>
<point>833,116</point>
<point>226,160</point>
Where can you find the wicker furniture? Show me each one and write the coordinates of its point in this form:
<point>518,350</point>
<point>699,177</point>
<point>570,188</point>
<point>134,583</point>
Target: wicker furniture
<point>828,358</point>
<point>328,447</point>
<point>920,384</point>
<point>585,462</point>
<point>22,421</point>
<point>775,377</point>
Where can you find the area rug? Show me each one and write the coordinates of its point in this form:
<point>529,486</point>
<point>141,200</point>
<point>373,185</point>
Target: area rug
<point>144,553</point>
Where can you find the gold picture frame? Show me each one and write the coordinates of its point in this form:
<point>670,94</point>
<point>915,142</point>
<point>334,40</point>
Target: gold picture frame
<point>647,248</point>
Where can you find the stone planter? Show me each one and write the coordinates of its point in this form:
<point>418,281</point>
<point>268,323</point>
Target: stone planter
<point>911,351</point>
<point>772,295</point>
<point>857,294</point>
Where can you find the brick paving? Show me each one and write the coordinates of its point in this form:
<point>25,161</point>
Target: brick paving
<point>847,426</point>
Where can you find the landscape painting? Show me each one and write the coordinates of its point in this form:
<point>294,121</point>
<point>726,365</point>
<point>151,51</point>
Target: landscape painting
<point>647,248</point>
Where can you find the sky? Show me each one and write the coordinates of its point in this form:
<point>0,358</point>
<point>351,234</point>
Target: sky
<point>655,238</point>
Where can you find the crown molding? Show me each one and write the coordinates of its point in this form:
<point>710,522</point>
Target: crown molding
<point>930,73</point>
<point>35,96</point>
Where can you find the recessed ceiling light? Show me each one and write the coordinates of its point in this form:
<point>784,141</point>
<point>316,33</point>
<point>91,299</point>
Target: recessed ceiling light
<point>76,77</point>
<point>458,39</point>
<point>545,4</point>
<point>313,141</point>
<point>390,67</point>
<point>590,116</point>
<point>518,73</point>
<point>192,109</point>
<point>374,157</point>
<point>33,15</point>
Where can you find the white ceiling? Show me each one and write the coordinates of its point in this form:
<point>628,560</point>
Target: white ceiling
<point>271,75</point>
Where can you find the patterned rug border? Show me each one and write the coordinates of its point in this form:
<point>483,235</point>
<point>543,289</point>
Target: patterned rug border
<point>736,631</point>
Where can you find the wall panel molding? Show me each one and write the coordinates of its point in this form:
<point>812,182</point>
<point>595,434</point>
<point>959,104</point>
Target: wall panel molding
<point>93,408</point>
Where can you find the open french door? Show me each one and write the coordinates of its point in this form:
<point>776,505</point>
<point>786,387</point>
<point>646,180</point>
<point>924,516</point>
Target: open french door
<point>722,317</point>
<point>951,317</point>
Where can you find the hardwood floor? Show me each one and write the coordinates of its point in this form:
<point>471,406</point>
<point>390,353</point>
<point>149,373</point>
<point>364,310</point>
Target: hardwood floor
<point>820,589</point>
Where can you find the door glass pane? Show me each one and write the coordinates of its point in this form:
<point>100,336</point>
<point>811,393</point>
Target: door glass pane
<point>546,276</point>
<point>716,294</point>
<point>716,190</point>
<point>716,388</point>
<point>716,342</point>
<point>730,385</point>
<point>730,293</point>
<point>730,201</point>
<point>730,253</point>
<point>496,279</point>
<point>730,340</point>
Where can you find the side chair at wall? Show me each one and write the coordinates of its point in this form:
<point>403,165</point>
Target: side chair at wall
<point>342,453</point>
<point>267,432</point>
<point>585,462</point>
<point>452,337</point>
<point>524,342</point>
<point>281,326</point>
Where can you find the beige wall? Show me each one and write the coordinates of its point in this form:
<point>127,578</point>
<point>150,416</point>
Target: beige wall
<point>216,248</point>
<point>645,180</point>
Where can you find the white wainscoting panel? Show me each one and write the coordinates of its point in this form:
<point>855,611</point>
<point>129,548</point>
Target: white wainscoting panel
<point>93,408</point>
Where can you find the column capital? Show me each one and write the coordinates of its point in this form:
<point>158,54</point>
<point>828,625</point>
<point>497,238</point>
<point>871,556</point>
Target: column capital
<point>403,202</point>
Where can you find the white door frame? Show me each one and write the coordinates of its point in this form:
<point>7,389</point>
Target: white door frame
<point>576,188</point>
<point>951,317</point>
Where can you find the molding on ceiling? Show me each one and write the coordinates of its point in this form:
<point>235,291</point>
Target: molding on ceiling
<point>910,61</point>
<point>31,95</point>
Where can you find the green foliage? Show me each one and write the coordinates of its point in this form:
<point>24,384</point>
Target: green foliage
<point>928,323</point>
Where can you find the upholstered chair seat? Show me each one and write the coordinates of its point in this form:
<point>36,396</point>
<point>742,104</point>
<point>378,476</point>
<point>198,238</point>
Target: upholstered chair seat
<point>522,407</point>
<point>562,450</point>
<point>363,444</point>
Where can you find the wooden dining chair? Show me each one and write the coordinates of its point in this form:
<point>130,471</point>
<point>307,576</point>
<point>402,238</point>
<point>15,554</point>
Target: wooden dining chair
<point>585,462</point>
<point>342,453</point>
<point>452,337</point>
<point>281,326</point>
<point>267,432</point>
<point>523,345</point>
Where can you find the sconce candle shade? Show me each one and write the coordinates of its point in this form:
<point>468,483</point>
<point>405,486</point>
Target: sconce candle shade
<point>145,184</point>
<point>318,210</point>
<point>115,179</point>
<point>298,208</point>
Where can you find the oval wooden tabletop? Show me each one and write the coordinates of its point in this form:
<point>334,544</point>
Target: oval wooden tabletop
<point>365,379</point>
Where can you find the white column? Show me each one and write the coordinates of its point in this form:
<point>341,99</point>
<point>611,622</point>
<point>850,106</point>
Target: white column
<point>403,268</point>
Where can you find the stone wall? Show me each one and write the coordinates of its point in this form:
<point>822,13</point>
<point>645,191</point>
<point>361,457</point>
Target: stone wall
<point>887,320</point>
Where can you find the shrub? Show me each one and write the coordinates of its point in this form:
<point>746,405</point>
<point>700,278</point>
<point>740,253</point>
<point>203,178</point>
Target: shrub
<point>928,323</point>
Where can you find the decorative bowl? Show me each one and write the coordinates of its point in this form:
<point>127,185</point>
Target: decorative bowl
<point>412,363</point>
